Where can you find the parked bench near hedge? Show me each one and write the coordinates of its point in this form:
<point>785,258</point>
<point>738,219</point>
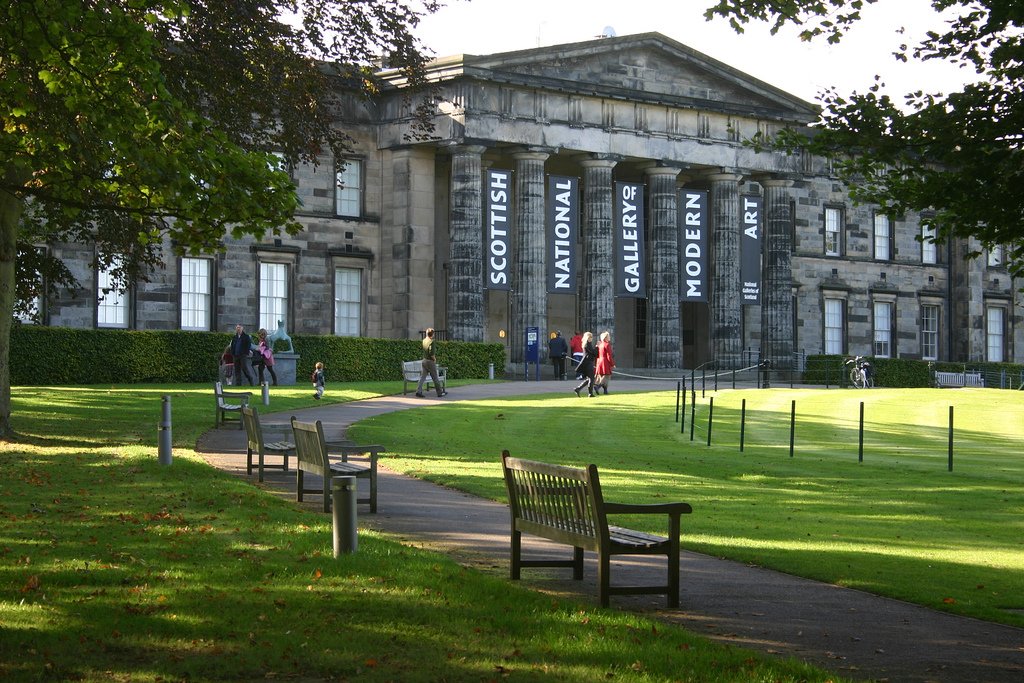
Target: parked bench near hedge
<point>959,379</point>
<point>565,505</point>
<point>229,404</point>
<point>411,370</point>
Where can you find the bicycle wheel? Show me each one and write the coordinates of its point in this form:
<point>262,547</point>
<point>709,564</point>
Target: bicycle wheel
<point>856,378</point>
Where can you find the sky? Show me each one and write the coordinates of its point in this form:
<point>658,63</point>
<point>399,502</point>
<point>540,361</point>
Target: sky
<point>802,69</point>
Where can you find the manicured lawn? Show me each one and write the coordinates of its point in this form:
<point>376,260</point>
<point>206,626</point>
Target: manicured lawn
<point>113,567</point>
<point>899,523</point>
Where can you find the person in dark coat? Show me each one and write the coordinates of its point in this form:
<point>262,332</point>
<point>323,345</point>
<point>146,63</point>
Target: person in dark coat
<point>586,367</point>
<point>241,349</point>
<point>558,349</point>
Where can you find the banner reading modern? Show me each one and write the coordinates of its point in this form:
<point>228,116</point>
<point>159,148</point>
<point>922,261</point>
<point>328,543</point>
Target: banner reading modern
<point>563,226</point>
<point>693,246</point>
<point>750,249</point>
<point>498,269</point>
<point>630,275</point>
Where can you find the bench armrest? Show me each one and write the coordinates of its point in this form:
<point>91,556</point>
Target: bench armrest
<point>347,448</point>
<point>653,508</point>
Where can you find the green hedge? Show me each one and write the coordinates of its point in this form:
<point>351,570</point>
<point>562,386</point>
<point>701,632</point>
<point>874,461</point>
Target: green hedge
<point>901,372</point>
<point>54,356</point>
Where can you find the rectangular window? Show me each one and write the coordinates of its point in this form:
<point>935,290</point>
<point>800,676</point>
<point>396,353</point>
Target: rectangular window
<point>833,231</point>
<point>930,332</point>
<point>348,302</point>
<point>995,256</point>
<point>883,238</point>
<point>348,198</point>
<point>882,347</point>
<point>273,295</point>
<point>640,330</point>
<point>835,325</point>
<point>929,250</point>
<point>195,294</point>
<point>111,302</point>
<point>995,334</point>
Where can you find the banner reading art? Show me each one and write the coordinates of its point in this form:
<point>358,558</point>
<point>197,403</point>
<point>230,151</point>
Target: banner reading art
<point>629,241</point>
<point>563,224</point>
<point>693,246</point>
<point>498,268</point>
<point>750,249</point>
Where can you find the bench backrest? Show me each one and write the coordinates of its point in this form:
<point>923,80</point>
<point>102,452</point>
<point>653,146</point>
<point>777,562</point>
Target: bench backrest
<point>411,369</point>
<point>253,431</point>
<point>311,447</point>
<point>564,502</point>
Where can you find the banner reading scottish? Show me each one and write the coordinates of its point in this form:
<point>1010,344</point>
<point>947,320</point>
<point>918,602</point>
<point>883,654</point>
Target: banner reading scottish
<point>563,226</point>
<point>496,240</point>
<point>629,241</point>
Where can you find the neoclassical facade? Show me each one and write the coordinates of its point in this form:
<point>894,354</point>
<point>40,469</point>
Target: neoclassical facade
<point>601,185</point>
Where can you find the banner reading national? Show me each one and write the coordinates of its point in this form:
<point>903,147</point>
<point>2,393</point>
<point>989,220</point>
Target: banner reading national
<point>563,226</point>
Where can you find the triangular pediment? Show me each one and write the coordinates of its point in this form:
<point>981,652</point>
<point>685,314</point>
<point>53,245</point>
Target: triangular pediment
<point>646,67</point>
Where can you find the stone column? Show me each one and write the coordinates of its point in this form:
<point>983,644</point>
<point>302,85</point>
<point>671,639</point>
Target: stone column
<point>466,247</point>
<point>663,332</point>
<point>529,296</point>
<point>726,313</point>
<point>597,290</point>
<point>777,288</point>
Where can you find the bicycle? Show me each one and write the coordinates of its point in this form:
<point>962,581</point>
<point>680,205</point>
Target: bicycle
<point>860,372</point>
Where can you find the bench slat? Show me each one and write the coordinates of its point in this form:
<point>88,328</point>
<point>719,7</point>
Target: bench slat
<point>565,505</point>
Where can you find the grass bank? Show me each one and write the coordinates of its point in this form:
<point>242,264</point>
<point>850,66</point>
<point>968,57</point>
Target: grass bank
<point>113,567</point>
<point>896,522</point>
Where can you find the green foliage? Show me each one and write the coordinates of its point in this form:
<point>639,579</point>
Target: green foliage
<point>55,356</point>
<point>831,370</point>
<point>957,156</point>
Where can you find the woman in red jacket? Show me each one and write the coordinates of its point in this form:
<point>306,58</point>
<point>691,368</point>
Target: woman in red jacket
<point>605,362</point>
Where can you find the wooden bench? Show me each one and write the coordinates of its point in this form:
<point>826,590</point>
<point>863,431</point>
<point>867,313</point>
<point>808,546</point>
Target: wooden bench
<point>312,456</point>
<point>411,371</point>
<point>225,406</point>
<point>256,444</point>
<point>959,379</point>
<point>565,505</point>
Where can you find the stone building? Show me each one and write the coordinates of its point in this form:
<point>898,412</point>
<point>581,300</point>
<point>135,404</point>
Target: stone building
<point>550,169</point>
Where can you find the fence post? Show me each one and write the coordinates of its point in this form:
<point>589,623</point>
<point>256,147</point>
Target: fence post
<point>860,447</point>
<point>951,438</point>
<point>711,412</point>
<point>164,433</point>
<point>677,401</point>
<point>682,414</point>
<point>792,426</point>
<point>743,422</point>
<point>693,411</point>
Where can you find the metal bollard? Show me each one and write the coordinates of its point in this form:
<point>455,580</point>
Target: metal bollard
<point>343,494</point>
<point>266,394</point>
<point>490,371</point>
<point>164,433</point>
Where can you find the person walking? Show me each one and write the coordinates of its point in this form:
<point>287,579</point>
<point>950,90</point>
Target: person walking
<point>265,357</point>
<point>318,380</point>
<point>586,367</point>
<point>558,349</point>
<point>605,362</point>
<point>576,349</point>
<point>429,365</point>
<point>241,349</point>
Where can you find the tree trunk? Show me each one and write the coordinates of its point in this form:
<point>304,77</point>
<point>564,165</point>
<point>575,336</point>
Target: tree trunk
<point>11,208</point>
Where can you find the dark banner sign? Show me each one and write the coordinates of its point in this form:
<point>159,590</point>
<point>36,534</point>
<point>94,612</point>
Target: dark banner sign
<point>563,225</point>
<point>693,246</point>
<point>629,241</point>
<point>497,271</point>
<point>750,249</point>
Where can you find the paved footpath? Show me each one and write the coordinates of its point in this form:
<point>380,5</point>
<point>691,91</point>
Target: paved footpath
<point>855,634</point>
